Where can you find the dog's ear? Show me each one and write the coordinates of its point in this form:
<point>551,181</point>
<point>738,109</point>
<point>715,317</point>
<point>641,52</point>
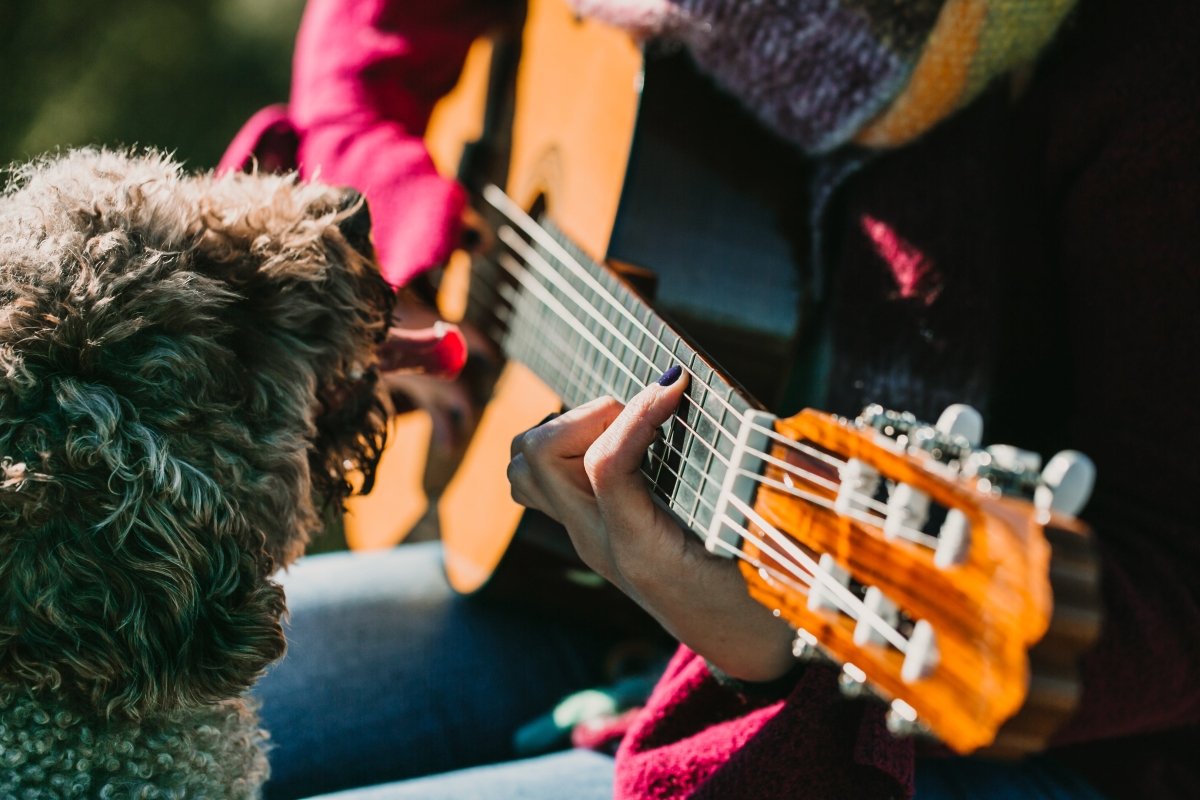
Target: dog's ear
<point>313,307</point>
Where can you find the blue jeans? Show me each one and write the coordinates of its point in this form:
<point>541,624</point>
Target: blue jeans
<point>390,675</point>
<point>394,688</point>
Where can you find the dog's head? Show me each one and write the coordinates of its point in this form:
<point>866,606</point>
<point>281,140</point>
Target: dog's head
<point>186,377</point>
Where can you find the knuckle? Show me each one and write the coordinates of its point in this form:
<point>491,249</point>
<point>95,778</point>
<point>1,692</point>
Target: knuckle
<point>516,472</point>
<point>599,463</point>
<point>535,447</point>
<point>609,405</point>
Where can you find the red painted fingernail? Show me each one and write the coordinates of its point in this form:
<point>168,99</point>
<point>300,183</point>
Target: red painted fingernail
<point>438,350</point>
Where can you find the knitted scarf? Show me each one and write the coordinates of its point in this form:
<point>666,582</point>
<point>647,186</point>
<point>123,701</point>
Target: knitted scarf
<point>827,72</point>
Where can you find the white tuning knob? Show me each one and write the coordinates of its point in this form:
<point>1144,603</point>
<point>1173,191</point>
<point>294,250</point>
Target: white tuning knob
<point>907,509</point>
<point>921,656</point>
<point>1066,483</point>
<point>961,420</point>
<point>822,595</point>
<point>1014,459</point>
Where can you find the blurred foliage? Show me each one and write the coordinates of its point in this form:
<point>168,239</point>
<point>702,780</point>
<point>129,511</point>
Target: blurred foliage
<point>180,75</point>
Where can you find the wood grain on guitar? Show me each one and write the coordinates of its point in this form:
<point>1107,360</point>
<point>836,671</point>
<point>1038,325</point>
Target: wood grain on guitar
<point>577,97</point>
<point>979,617</point>
<point>918,562</point>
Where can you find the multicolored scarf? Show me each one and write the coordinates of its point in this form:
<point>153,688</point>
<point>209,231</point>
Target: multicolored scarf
<point>827,72</point>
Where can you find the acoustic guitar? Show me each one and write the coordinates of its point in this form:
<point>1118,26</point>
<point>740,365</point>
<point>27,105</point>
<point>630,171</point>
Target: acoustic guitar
<point>952,582</point>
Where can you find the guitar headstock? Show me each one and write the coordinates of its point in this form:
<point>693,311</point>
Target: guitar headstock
<point>953,582</point>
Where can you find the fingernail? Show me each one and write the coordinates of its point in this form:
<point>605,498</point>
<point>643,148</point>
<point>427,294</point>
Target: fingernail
<point>440,349</point>
<point>670,376</point>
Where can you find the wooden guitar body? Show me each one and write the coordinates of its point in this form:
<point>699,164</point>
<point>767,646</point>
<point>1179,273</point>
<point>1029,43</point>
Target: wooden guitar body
<point>642,164</point>
<point>575,98</point>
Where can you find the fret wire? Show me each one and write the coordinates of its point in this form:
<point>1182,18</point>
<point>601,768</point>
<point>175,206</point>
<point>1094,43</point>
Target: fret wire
<point>536,288</point>
<point>662,462</point>
<point>528,280</point>
<point>538,265</point>
<point>678,481</point>
<point>553,367</point>
<point>675,344</point>
<point>628,333</point>
<point>708,461</point>
<point>687,460</point>
<point>849,603</point>
<point>705,475</point>
<point>704,385</point>
<point>540,234</point>
<point>784,465</point>
<point>701,388</point>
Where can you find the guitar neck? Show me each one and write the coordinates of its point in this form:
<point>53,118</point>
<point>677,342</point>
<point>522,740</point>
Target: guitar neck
<point>585,333</point>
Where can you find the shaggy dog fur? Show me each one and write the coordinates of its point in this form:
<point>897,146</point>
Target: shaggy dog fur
<point>188,375</point>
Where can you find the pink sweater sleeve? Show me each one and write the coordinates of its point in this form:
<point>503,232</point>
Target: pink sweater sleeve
<point>366,76</point>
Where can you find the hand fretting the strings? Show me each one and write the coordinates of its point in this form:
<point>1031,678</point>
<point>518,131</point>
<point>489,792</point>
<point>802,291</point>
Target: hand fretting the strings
<point>584,469</point>
<point>596,357</point>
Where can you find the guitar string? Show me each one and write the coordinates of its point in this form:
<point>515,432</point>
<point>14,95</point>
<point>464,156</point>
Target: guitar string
<point>838,593</point>
<point>514,267</point>
<point>528,256</point>
<point>548,302</point>
<point>841,595</point>
<point>518,271</point>
<point>510,210</point>
<point>554,366</point>
<point>850,604</point>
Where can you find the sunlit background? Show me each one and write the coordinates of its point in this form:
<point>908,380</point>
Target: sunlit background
<point>181,75</point>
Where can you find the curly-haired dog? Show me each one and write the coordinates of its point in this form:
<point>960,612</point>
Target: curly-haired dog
<point>188,373</point>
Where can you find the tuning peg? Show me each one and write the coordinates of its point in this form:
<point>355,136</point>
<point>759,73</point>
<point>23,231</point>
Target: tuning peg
<point>902,720</point>
<point>820,596</point>
<point>805,648</point>
<point>921,655</point>
<point>858,483</point>
<point>1066,483</point>
<point>875,604</point>
<point>954,539</point>
<point>961,420</point>
<point>852,681</point>
<point>1014,459</point>
<point>907,509</point>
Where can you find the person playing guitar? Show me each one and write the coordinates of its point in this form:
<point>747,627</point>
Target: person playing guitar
<point>994,210</point>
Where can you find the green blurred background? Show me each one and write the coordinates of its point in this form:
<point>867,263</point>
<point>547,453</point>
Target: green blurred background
<point>181,75</point>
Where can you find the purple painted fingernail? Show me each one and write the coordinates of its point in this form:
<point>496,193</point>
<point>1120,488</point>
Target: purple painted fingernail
<point>670,376</point>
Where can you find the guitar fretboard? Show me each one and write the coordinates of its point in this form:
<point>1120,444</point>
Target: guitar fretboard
<point>586,333</point>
